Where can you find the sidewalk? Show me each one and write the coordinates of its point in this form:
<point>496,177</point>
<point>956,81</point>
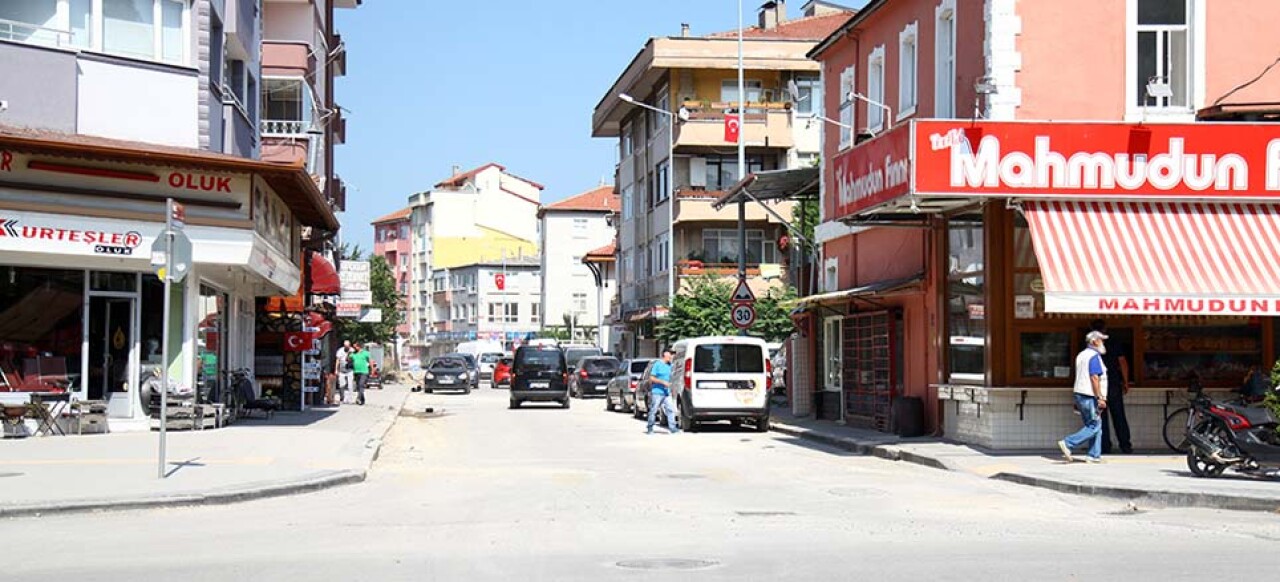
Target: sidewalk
<point>254,458</point>
<point>1146,479</point>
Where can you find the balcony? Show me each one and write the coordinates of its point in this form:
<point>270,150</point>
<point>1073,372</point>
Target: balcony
<point>286,58</point>
<point>765,125</point>
<point>339,126</point>
<point>761,277</point>
<point>339,65</point>
<point>695,205</point>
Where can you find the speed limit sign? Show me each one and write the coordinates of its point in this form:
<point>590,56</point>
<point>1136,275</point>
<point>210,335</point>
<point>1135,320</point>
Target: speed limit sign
<point>743,315</point>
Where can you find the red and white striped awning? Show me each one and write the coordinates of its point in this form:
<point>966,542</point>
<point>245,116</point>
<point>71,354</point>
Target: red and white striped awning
<point>1157,257</point>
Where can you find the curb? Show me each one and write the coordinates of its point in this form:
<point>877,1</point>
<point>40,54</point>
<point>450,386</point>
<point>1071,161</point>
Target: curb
<point>216,497</point>
<point>1156,498</point>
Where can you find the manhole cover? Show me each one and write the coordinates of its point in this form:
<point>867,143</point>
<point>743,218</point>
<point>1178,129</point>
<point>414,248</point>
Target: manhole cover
<point>11,474</point>
<point>666,564</point>
<point>428,413</point>
<point>683,476</point>
<point>765,513</point>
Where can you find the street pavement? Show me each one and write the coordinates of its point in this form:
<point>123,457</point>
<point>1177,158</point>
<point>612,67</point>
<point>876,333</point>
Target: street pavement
<point>255,457</point>
<point>473,491</point>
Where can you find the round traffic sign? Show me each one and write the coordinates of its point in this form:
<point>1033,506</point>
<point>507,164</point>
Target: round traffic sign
<point>743,316</point>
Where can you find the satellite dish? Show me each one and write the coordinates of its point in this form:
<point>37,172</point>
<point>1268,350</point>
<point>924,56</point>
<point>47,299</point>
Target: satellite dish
<point>793,90</point>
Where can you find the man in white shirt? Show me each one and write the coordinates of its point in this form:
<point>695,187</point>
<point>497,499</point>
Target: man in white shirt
<point>1091,397</point>
<point>343,369</point>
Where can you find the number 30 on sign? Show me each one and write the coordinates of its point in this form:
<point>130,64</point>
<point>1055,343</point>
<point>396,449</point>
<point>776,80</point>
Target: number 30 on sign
<point>743,316</point>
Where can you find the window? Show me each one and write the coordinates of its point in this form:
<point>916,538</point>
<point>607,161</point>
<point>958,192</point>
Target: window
<point>810,95</point>
<point>130,28</point>
<point>1163,51</point>
<point>720,246</point>
<point>653,196</point>
<point>908,69</point>
<point>729,91</point>
<point>579,228</point>
<point>831,274</point>
<point>722,171</point>
<point>875,88</point>
<point>626,202</point>
<point>579,302</point>
<point>626,140</point>
<point>966,300</point>
<point>658,121</point>
<point>944,83</point>
<point>846,107</point>
<point>534,309</point>
<point>662,188</point>
<point>663,243</point>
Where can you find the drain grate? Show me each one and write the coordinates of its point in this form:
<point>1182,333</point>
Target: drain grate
<point>667,564</point>
<point>684,476</point>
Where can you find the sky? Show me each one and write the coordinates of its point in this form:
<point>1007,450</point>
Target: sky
<point>435,83</point>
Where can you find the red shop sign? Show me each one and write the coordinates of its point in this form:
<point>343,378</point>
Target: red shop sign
<point>872,173</point>
<point>1085,160</point>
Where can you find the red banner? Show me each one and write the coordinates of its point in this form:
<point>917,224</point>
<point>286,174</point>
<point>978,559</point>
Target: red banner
<point>1235,161</point>
<point>732,128</point>
<point>872,173</point>
<point>500,281</point>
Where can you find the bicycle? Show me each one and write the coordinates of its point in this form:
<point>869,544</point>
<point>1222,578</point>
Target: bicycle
<point>1179,422</point>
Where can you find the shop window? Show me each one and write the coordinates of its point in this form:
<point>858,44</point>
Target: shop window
<point>106,281</point>
<point>210,344</point>
<point>966,301</point>
<point>1220,349</point>
<point>41,315</point>
<point>1046,354</point>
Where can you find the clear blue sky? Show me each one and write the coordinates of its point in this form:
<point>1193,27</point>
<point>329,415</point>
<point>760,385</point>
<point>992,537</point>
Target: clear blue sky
<point>433,83</point>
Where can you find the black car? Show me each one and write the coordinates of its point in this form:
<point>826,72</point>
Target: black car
<point>592,375</point>
<point>473,367</point>
<point>621,393</point>
<point>447,373</point>
<point>539,374</point>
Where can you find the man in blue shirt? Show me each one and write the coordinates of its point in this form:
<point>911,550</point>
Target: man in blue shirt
<point>660,392</point>
<point>1090,393</point>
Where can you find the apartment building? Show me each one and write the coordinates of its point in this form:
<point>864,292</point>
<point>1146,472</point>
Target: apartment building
<point>571,229</point>
<point>113,106</point>
<point>668,231</point>
<point>969,274</point>
<point>481,215</point>
<point>392,241</point>
<point>497,301</point>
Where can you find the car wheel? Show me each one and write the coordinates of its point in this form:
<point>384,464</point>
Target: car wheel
<point>514,404</point>
<point>466,391</point>
<point>762,424</point>
<point>608,403</point>
<point>564,403</point>
<point>635,411</point>
<point>687,423</point>
<point>426,390</point>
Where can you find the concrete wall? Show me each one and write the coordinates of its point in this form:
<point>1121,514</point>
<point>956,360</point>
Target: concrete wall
<point>111,104</point>
<point>40,86</point>
<point>563,272</point>
<point>1066,74</point>
<point>1239,49</point>
<point>289,21</point>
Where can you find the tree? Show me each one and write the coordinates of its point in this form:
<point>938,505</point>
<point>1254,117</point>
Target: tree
<point>350,252</point>
<point>704,310</point>
<point>382,283</point>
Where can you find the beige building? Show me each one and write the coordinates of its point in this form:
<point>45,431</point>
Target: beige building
<point>668,231</point>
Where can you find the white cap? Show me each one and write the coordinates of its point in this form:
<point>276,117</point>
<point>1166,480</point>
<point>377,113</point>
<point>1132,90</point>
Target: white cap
<point>1095,335</point>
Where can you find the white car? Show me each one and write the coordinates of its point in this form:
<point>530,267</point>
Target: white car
<point>488,361</point>
<point>722,378</point>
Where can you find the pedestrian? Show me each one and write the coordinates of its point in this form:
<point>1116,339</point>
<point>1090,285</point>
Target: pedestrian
<point>660,392</point>
<point>1091,396</point>
<point>342,367</point>
<point>1116,359</point>
<point>360,369</point>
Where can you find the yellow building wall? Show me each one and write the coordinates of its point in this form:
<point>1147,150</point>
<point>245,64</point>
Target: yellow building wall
<point>706,83</point>
<point>449,252</point>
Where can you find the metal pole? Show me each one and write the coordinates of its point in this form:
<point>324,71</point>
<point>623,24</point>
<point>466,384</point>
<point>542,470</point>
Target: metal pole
<point>742,160</point>
<point>164,334</point>
<point>671,208</point>
<point>503,296</point>
<point>302,386</point>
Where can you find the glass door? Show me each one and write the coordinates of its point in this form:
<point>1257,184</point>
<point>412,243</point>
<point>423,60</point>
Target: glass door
<point>112,353</point>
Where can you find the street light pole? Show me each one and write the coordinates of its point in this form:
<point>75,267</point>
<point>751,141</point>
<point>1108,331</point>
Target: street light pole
<point>742,161</point>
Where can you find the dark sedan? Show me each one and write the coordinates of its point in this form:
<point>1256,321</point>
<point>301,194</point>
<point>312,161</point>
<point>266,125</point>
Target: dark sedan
<point>447,373</point>
<point>592,375</point>
<point>621,392</point>
<point>643,387</point>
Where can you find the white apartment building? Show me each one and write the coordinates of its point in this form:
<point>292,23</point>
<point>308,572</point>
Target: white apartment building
<point>482,215</point>
<point>571,229</point>
<point>489,300</point>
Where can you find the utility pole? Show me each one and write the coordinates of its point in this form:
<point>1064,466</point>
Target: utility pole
<point>742,160</point>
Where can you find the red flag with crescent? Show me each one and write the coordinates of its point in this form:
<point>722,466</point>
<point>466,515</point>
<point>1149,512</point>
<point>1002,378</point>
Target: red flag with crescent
<point>297,341</point>
<point>732,128</point>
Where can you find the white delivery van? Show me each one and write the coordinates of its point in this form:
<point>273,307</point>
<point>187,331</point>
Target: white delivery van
<point>722,378</point>
<point>486,353</point>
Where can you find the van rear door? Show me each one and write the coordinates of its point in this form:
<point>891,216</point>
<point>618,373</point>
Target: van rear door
<point>728,375</point>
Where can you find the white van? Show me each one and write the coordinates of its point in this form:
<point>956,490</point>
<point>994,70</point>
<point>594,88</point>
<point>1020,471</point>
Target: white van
<point>722,378</point>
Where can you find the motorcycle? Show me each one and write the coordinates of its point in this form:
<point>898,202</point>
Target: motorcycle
<point>1230,435</point>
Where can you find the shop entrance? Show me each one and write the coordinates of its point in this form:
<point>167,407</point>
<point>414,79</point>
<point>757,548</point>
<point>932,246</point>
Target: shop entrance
<point>830,405</point>
<point>113,355</point>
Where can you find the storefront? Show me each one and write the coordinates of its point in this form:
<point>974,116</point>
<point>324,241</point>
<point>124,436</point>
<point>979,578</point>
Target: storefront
<point>1167,232</point>
<point>79,300</point>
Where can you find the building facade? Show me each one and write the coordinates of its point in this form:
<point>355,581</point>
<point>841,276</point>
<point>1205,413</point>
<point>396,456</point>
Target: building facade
<point>668,230</point>
<point>485,214</point>
<point>392,240</point>
<point>572,228</point>
<point>498,301</point>
<point>957,270</point>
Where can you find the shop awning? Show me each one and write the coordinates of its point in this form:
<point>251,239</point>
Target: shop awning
<point>774,185</point>
<point>324,277</point>
<point>876,288</point>
<point>1157,257</point>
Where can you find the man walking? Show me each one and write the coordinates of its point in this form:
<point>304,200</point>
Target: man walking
<point>342,367</point>
<point>360,368</point>
<point>660,393</point>
<point>1091,396</point>
<point>1117,364</point>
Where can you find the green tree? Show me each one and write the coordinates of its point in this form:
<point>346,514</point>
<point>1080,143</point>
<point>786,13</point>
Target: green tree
<point>382,283</point>
<point>704,310</point>
<point>804,216</point>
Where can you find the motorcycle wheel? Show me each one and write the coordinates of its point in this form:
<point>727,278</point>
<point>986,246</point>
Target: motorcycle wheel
<point>1203,467</point>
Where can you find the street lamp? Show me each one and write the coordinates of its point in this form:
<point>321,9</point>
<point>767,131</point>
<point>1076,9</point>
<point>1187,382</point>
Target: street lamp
<point>671,186</point>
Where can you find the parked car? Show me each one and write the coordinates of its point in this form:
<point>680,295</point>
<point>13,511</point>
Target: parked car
<point>573,354</point>
<point>447,373</point>
<point>488,361</point>
<point>539,374</point>
<point>640,402</point>
<point>620,394</point>
<point>591,376</point>
<point>473,367</point>
<point>722,378</point>
<point>502,372</point>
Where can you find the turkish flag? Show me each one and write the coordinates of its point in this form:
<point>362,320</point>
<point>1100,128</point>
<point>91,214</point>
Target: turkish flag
<point>297,341</point>
<point>500,281</point>
<point>732,128</point>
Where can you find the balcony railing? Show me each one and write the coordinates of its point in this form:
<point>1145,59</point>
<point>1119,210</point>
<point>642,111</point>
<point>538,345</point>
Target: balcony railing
<point>689,268</point>
<point>285,127</point>
<point>24,32</point>
<point>764,124</point>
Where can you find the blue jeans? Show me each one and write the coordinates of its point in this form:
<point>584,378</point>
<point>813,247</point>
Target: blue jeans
<point>657,400</point>
<point>1091,432</point>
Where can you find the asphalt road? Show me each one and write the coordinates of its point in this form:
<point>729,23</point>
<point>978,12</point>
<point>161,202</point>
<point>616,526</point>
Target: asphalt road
<point>479,492</point>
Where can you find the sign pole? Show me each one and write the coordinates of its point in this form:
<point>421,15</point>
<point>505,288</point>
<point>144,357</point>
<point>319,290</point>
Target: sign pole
<point>164,334</point>
<point>302,386</point>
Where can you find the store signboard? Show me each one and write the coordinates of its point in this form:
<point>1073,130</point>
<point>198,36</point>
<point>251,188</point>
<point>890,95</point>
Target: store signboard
<point>871,174</point>
<point>71,235</point>
<point>347,310</point>
<point>355,282</point>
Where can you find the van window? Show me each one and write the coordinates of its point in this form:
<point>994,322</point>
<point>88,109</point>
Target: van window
<point>600,365</point>
<point>575,355</point>
<point>728,359</point>
<point>638,367</point>
<point>490,358</point>
<point>538,360</point>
